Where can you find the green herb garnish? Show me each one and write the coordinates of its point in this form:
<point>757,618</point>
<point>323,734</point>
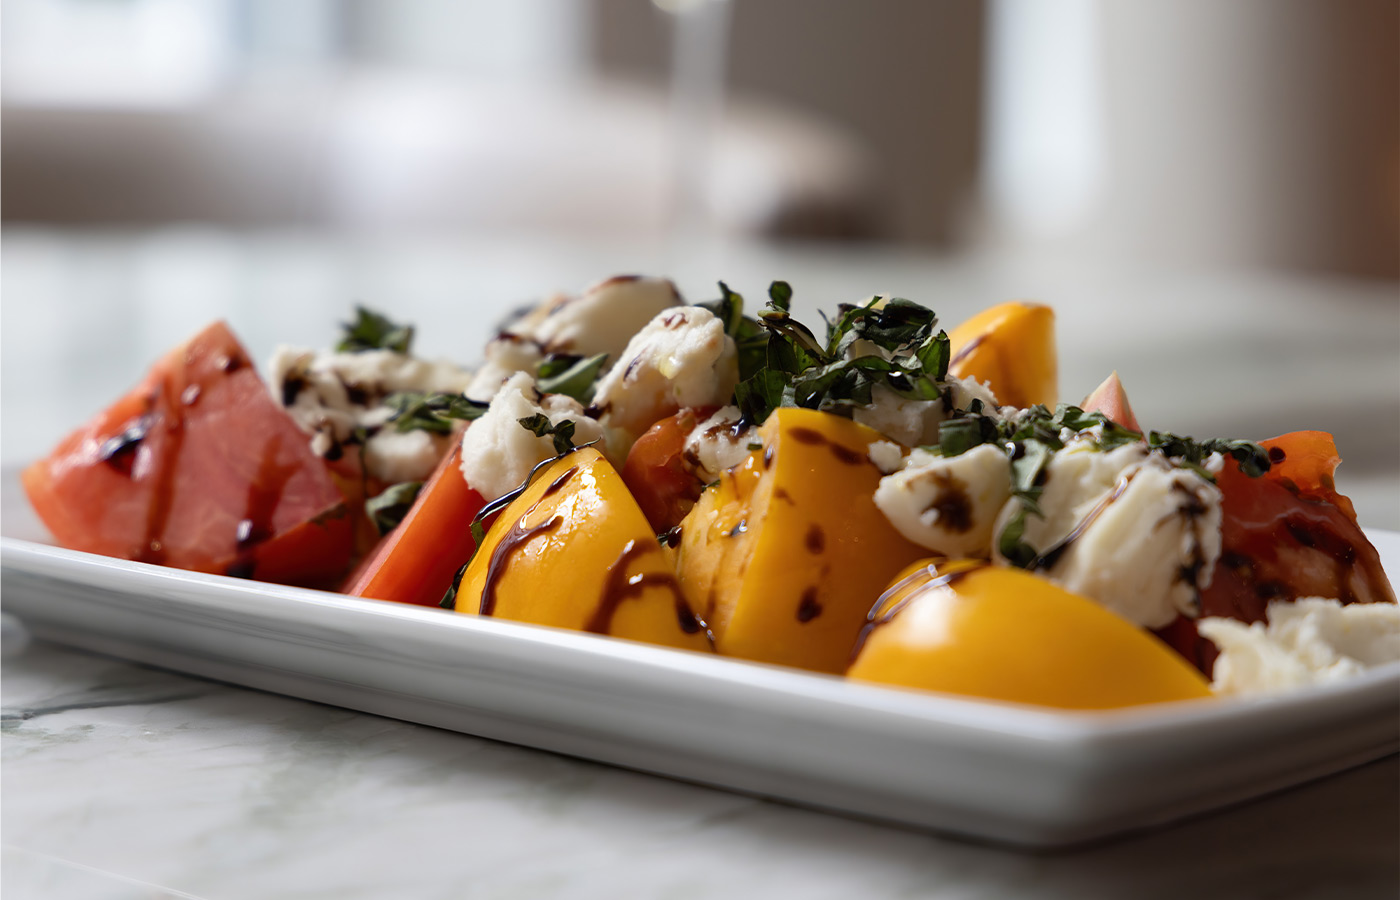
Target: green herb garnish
<point>417,411</point>
<point>540,426</point>
<point>783,363</point>
<point>1253,459</point>
<point>1032,437</point>
<point>387,509</point>
<point>573,376</point>
<point>373,331</point>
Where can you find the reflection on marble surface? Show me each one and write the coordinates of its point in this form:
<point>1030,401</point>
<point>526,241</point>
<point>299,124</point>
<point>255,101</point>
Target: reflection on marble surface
<point>121,781</point>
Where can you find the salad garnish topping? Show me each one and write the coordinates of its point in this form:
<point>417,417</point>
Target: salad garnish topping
<point>374,331</point>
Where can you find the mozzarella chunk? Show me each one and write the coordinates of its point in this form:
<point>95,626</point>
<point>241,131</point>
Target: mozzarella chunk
<point>498,452</point>
<point>332,395</point>
<point>682,358</point>
<point>393,456</point>
<point>915,422</point>
<point>606,316</point>
<point>506,354</point>
<point>1127,529</point>
<point>887,456</point>
<point>600,320</point>
<point>1309,641</point>
<point>948,505</point>
<point>719,443</point>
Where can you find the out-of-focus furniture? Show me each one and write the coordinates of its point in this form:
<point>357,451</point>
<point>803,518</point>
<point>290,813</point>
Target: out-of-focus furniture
<point>379,151</point>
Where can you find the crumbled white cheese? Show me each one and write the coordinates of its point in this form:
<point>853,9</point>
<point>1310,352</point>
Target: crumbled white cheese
<point>606,316</point>
<point>948,505</point>
<point>1305,642</point>
<point>915,422</point>
<point>506,354</point>
<point>498,452</point>
<point>331,395</point>
<point>887,456</point>
<point>965,390</point>
<point>393,456</point>
<point>1126,529</point>
<point>600,320</point>
<point>719,443</point>
<point>910,422</point>
<point>682,358</point>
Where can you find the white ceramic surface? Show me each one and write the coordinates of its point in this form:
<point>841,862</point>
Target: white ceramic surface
<point>994,771</point>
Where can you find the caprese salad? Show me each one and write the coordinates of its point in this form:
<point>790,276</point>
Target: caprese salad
<point>887,501</point>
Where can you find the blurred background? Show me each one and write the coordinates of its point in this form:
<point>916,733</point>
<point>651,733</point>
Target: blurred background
<point>1255,131</point>
<point>1208,192</point>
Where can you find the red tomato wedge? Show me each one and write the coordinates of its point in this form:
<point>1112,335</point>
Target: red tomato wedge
<point>1286,535</point>
<point>657,474</point>
<point>417,561</point>
<point>197,468</point>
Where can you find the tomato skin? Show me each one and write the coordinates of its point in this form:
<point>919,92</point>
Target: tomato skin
<point>212,476</point>
<point>657,473</point>
<point>417,561</point>
<point>1285,535</point>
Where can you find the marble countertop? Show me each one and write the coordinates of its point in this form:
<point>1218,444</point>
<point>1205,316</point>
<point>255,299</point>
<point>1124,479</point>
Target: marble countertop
<point>126,782</point>
<point>120,781</point>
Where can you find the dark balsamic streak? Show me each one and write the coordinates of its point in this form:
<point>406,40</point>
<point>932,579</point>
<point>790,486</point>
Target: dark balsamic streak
<point>971,345</point>
<point>815,438</point>
<point>517,537</point>
<point>119,451</point>
<point>620,587</point>
<point>875,618</point>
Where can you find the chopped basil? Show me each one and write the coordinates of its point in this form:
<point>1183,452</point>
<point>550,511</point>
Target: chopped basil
<point>540,426</point>
<point>387,509</point>
<point>1032,437</point>
<point>373,331</point>
<point>1252,458</point>
<point>783,363</point>
<point>417,411</point>
<point>573,376</point>
<point>449,599</point>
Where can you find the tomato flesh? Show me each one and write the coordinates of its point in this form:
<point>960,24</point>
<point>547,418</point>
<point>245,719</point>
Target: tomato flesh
<point>197,468</point>
<point>657,473</point>
<point>418,560</point>
<point>1285,535</point>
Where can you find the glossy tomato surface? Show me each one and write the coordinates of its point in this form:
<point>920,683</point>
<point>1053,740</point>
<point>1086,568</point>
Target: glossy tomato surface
<point>1285,535</point>
<point>198,468</point>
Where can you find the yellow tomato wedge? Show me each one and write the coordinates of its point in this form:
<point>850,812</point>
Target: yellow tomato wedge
<point>574,551</point>
<point>1011,347</point>
<point>786,554</point>
<point>966,627</point>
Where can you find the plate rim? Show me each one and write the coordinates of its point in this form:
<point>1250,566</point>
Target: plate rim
<point>1022,721</point>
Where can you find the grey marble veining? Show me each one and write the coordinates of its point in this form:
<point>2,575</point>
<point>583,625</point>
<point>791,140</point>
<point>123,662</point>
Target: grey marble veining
<point>121,781</point>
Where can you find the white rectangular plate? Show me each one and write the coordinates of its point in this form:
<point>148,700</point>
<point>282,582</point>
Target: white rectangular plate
<point>997,771</point>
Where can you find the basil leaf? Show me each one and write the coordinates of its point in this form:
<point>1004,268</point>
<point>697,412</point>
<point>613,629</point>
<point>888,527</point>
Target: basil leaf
<point>449,599</point>
<point>540,426</point>
<point>1253,459</point>
<point>1010,544</point>
<point>957,436</point>
<point>387,509</point>
<point>374,331</point>
<point>417,411</point>
<point>780,295</point>
<point>1028,464</point>
<point>573,376</point>
<point>759,395</point>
